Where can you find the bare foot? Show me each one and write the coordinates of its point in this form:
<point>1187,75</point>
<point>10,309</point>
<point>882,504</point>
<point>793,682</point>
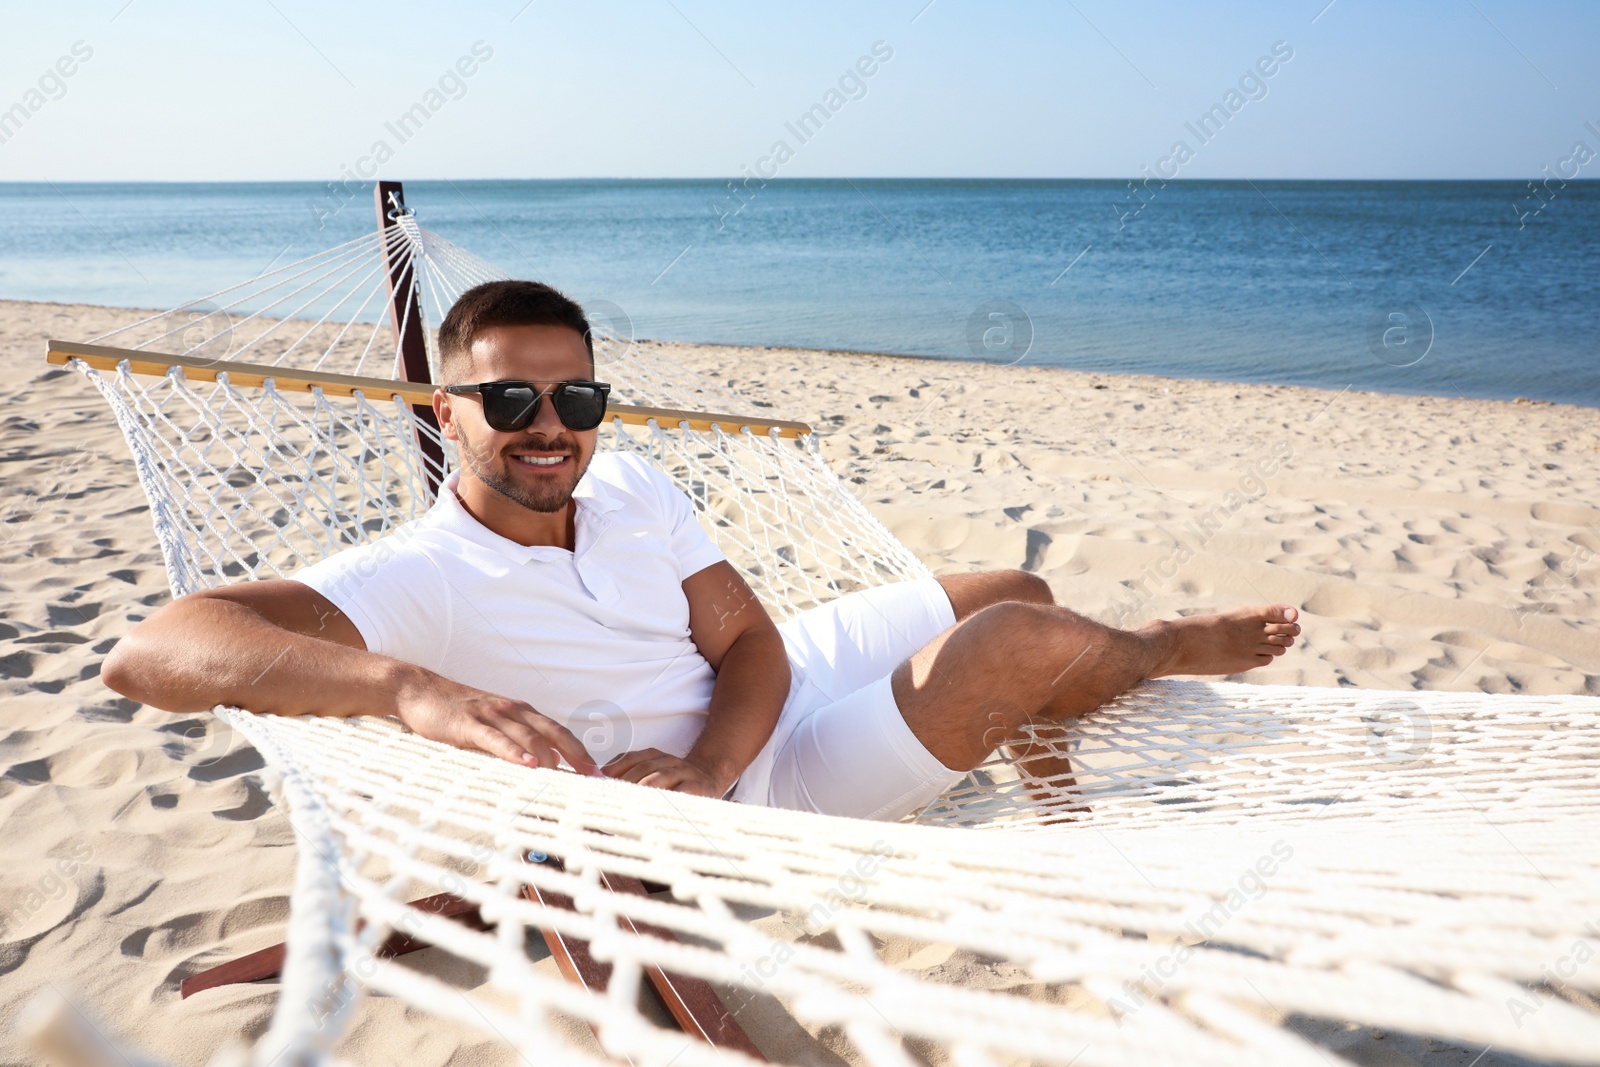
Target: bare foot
<point>1227,643</point>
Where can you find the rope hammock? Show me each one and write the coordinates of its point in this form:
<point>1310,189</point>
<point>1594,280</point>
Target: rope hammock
<point>1187,874</point>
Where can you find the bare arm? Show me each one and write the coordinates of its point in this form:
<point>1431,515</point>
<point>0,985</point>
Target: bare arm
<point>282,648</point>
<point>275,647</point>
<point>737,637</point>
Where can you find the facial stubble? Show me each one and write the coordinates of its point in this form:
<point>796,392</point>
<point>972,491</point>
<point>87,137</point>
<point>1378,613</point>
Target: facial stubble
<point>546,496</point>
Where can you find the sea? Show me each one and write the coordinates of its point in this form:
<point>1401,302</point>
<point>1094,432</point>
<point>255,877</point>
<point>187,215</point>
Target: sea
<point>1484,289</point>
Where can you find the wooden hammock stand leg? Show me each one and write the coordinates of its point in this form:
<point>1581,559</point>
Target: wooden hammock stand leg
<point>691,1002</point>
<point>410,334</point>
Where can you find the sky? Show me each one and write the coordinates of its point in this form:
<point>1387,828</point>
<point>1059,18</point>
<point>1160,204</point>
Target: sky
<point>259,90</point>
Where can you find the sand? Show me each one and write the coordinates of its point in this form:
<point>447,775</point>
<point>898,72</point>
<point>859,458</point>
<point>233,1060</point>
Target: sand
<point>1430,543</point>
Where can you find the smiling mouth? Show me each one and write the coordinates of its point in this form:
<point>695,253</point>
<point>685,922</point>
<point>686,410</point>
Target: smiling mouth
<point>541,462</point>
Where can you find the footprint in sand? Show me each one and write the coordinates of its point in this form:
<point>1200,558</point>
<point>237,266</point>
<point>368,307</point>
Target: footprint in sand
<point>57,640</point>
<point>43,895</point>
<point>1338,602</point>
<point>63,614</point>
<point>84,767</point>
<point>254,804</point>
<point>1566,514</point>
<point>17,665</point>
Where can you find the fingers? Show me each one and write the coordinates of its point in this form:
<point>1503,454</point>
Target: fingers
<point>541,736</point>
<point>565,742</point>
<point>514,731</point>
<point>679,780</point>
<point>496,741</point>
<point>653,772</point>
<point>635,766</point>
<point>620,764</point>
<point>663,777</point>
<point>660,770</point>
<point>509,729</point>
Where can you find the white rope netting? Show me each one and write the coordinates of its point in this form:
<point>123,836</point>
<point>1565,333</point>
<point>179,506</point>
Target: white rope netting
<point>1183,877</point>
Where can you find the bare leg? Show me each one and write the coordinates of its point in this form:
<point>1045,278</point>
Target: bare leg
<point>973,687</point>
<point>970,593</point>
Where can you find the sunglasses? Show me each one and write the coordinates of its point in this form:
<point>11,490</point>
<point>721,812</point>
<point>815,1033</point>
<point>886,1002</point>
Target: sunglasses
<point>512,406</point>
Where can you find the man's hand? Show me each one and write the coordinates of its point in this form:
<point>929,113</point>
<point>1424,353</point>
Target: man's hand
<point>442,710</point>
<point>653,767</point>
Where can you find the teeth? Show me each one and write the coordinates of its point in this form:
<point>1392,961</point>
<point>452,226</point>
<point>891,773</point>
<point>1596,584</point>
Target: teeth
<point>540,461</point>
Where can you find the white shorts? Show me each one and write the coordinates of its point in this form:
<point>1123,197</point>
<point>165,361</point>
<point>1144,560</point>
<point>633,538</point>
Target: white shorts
<point>841,746</point>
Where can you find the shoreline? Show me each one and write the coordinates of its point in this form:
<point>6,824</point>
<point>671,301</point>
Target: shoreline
<point>1125,376</point>
<point>1095,374</point>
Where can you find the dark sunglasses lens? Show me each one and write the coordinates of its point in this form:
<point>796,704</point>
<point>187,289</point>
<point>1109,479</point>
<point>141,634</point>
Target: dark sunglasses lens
<point>581,407</point>
<point>509,408</point>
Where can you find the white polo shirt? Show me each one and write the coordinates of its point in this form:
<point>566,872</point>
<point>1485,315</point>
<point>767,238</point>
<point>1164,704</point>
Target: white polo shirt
<point>596,638</point>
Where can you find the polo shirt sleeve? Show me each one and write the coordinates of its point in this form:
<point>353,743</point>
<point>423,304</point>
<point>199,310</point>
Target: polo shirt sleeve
<point>393,594</point>
<point>693,548</point>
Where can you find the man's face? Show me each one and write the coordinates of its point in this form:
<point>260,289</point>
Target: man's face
<point>505,462</point>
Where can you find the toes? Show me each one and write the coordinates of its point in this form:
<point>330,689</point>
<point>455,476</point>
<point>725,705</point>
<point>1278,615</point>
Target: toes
<point>1289,613</point>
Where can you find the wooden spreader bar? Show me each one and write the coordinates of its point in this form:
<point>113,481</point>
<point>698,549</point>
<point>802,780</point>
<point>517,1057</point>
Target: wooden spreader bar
<point>289,379</point>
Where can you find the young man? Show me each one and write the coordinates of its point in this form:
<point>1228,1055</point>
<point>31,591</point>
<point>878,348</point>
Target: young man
<point>551,590</point>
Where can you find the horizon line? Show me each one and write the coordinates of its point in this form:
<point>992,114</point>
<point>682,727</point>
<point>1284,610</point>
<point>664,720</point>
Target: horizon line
<point>1176,179</point>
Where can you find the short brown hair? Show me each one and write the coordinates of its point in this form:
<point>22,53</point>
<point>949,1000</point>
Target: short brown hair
<point>506,303</point>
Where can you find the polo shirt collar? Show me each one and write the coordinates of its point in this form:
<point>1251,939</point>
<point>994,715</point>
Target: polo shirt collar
<point>595,501</point>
